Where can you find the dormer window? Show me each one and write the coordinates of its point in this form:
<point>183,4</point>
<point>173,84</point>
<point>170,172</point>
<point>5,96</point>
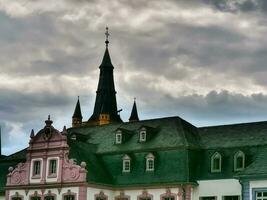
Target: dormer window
<point>142,135</point>
<point>150,158</point>
<point>118,137</point>
<point>239,161</point>
<point>126,164</point>
<point>216,162</point>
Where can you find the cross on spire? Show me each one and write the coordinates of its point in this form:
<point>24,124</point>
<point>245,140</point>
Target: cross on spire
<point>107,34</point>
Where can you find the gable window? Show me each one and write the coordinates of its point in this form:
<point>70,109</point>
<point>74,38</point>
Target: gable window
<point>118,137</point>
<point>53,167</point>
<point>142,135</point>
<point>36,171</point>
<point>126,164</point>
<point>216,161</point>
<point>239,161</point>
<point>150,162</point>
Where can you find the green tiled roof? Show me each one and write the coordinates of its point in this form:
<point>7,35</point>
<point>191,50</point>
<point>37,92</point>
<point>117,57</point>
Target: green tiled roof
<point>258,168</point>
<point>235,135</point>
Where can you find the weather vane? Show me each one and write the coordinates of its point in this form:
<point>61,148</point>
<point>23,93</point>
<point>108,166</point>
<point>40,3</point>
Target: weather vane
<point>107,34</point>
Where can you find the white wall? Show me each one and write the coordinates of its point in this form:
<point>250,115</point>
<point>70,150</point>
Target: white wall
<point>217,188</point>
<point>2,197</point>
<point>132,193</point>
<point>257,184</point>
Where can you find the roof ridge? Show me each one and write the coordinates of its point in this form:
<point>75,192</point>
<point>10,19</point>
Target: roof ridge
<point>236,124</point>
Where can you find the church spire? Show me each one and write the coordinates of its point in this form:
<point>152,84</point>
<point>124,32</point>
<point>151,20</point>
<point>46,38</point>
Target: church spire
<point>106,94</point>
<point>77,115</point>
<point>134,114</point>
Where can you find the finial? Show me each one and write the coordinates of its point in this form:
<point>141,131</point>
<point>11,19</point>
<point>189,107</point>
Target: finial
<point>107,34</point>
<point>78,97</point>
<point>48,121</point>
<point>32,133</point>
<point>134,98</point>
<point>64,131</point>
<point>48,117</point>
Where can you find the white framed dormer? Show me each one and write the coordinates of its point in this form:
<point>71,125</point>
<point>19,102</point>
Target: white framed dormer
<point>216,162</point>
<point>118,137</point>
<point>36,170</point>
<point>126,163</point>
<point>142,134</point>
<point>52,169</point>
<point>239,161</point>
<point>150,162</point>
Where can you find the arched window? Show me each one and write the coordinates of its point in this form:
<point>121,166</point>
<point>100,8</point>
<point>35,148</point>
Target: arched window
<point>50,196</point>
<point>216,162</point>
<point>126,163</point>
<point>150,164</point>
<point>17,196</point>
<point>145,196</point>
<point>122,196</point>
<point>101,196</point>
<point>35,196</point>
<point>69,195</point>
<point>168,195</point>
<point>239,161</point>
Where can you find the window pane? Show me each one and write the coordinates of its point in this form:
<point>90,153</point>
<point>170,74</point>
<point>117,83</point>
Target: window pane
<point>100,198</point>
<point>265,194</point>
<point>49,198</point>
<point>236,197</point>
<point>69,197</point>
<point>16,198</point>
<point>168,198</point>
<point>53,167</point>
<point>239,162</point>
<point>145,198</point>
<point>207,198</point>
<point>216,164</point>
<point>35,198</point>
<point>36,167</point>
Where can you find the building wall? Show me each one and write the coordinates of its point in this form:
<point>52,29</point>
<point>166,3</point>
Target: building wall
<point>260,185</point>
<point>58,193</point>
<point>2,197</point>
<point>218,188</point>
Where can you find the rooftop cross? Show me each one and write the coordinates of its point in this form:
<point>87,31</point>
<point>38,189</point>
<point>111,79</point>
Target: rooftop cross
<point>107,34</point>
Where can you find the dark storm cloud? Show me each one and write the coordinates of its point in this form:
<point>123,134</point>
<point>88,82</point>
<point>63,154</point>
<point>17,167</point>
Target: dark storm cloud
<point>239,5</point>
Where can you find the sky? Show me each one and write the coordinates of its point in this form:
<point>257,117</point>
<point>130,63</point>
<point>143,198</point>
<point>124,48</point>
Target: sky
<point>202,60</point>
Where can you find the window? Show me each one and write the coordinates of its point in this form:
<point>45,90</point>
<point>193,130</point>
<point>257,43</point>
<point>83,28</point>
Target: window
<point>118,137</point>
<point>208,198</point>
<point>142,135</point>
<point>168,198</point>
<point>36,168</point>
<point>16,198</point>
<point>239,161</point>
<point>49,198</point>
<point>101,196</point>
<point>69,197</point>
<point>144,198</point>
<point>36,198</point>
<point>216,161</point>
<point>126,164</point>
<point>261,195</point>
<point>53,167</point>
<point>236,197</point>
<point>150,162</point>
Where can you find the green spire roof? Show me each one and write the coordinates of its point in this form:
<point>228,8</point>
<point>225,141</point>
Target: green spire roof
<point>106,94</point>
<point>134,114</point>
<point>77,112</point>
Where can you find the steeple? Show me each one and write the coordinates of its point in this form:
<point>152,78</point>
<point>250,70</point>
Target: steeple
<point>105,94</point>
<point>134,114</point>
<point>77,115</point>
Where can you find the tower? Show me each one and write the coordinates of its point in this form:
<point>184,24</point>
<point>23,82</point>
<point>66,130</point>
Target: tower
<point>77,115</point>
<point>134,114</point>
<point>105,95</point>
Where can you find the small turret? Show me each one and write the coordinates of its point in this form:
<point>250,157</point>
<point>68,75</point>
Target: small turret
<point>77,115</point>
<point>134,114</point>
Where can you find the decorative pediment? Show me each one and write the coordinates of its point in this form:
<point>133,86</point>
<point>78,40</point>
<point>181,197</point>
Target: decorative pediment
<point>19,175</point>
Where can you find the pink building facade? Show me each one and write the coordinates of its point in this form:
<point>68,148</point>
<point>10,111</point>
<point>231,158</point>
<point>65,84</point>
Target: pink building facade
<point>48,173</point>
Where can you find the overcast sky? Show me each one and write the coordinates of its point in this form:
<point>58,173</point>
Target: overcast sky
<point>203,60</point>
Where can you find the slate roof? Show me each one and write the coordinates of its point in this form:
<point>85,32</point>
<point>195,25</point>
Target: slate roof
<point>77,112</point>
<point>234,135</point>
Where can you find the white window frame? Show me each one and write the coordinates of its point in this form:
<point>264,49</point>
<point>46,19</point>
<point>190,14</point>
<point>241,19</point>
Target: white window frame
<point>118,139</point>
<point>216,155</point>
<point>142,133</point>
<point>150,157</point>
<point>126,159</point>
<point>40,168</point>
<point>236,156</point>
